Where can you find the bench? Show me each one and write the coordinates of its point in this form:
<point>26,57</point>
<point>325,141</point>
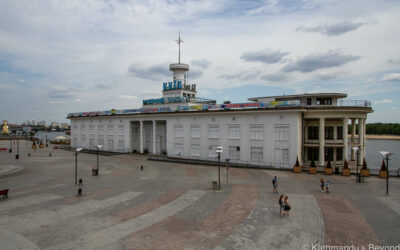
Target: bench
<point>3,149</point>
<point>4,192</point>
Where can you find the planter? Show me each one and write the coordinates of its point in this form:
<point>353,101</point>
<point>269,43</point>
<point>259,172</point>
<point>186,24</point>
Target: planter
<point>296,169</point>
<point>365,172</point>
<point>346,171</point>
<point>382,173</point>
<point>41,146</point>
<point>33,146</point>
<point>313,170</point>
<point>328,171</point>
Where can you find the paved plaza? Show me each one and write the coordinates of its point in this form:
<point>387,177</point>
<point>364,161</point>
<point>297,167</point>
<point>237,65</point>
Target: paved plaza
<point>173,206</point>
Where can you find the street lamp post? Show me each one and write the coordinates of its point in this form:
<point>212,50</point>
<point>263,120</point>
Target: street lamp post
<point>17,155</point>
<point>219,151</point>
<point>357,173</point>
<point>227,170</point>
<point>76,164</point>
<point>98,149</point>
<point>386,155</point>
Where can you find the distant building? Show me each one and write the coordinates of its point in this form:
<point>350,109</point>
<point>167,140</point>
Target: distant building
<point>64,125</point>
<point>55,124</point>
<point>33,123</point>
<point>41,123</point>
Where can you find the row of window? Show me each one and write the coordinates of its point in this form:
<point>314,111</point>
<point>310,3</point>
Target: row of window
<point>100,129</point>
<point>100,141</point>
<point>313,154</point>
<point>256,153</point>
<point>313,133</point>
<point>256,132</point>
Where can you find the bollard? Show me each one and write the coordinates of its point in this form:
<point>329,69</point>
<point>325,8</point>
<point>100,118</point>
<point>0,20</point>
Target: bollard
<point>50,154</point>
<point>17,156</point>
<point>141,167</point>
<point>80,182</point>
<point>79,191</point>
<point>29,154</point>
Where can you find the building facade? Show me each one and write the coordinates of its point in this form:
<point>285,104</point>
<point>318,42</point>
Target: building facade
<point>267,131</point>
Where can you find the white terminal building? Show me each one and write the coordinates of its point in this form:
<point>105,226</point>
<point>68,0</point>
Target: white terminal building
<point>269,131</point>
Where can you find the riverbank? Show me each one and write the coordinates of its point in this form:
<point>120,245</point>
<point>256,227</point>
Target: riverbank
<point>383,137</point>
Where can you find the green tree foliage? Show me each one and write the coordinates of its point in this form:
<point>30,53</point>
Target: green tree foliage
<point>383,129</point>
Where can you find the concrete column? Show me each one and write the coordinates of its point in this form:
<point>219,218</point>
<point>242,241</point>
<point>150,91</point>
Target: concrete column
<point>154,137</point>
<point>321,159</point>
<point>353,135</point>
<point>365,132</point>
<point>345,138</point>
<point>141,136</point>
<point>361,139</point>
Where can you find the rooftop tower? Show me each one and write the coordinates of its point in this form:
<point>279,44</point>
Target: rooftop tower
<point>179,69</point>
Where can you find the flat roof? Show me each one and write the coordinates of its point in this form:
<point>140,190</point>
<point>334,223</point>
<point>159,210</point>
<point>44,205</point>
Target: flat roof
<point>305,95</point>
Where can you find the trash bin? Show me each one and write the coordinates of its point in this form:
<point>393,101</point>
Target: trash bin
<point>336,170</point>
<point>215,185</point>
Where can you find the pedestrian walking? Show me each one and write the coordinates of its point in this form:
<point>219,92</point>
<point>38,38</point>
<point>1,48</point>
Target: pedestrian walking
<point>286,205</point>
<point>327,186</point>
<point>275,185</point>
<point>280,204</point>
<point>322,183</point>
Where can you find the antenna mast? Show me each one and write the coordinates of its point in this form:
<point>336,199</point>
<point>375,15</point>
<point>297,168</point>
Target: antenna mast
<point>179,41</point>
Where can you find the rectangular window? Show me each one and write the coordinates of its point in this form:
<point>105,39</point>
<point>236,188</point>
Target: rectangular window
<point>178,130</point>
<point>178,148</point>
<point>195,150</point>
<point>110,144</point>
<point>75,140</point>
<point>281,133</point>
<point>285,156</point>
<point>213,131</point>
<point>256,132</point>
<point>234,132</point>
<point>312,154</point>
<point>313,133</point>
<point>91,143</point>
<point>83,129</point>
<point>212,151</point>
<point>110,129</point>
<point>121,129</point>
<point>329,133</point>
<point>100,130</point>
<point>100,141</point>
<point>75,129</point>
<point>91,129</point>
<point>195,131</point>
<point>256,154</point>
<point>324,101</point>
<point>339,154</point>
<point>83,141</point>
<point>121,144</point>
<point>234,153</point>
<point>309,101</point>
<point>339,133</point>
<point>329,154</point>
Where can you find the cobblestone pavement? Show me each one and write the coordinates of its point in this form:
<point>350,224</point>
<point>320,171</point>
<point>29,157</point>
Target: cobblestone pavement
<point>173,206</point>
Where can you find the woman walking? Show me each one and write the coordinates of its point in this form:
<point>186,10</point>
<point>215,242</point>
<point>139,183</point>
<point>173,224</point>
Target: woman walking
<point>286,205</point>
<point>322,183</point>
<point>280,204</point>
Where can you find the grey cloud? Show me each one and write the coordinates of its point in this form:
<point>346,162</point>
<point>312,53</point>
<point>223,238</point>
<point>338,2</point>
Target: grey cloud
<point>394,61</point>
<point>194,73</point>
<point>319,61</point>
<point>153,72</point>
<point>202,63</point>
<point>265,56</point>
<point>328,76</point>
<point>57,93</point>
<point>333,29</point>
<point>245,75</point>
<point>274,77</point>
<point>102,86</point>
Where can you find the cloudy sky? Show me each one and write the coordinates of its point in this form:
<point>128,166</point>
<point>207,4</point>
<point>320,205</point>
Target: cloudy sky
<point>63,56</point>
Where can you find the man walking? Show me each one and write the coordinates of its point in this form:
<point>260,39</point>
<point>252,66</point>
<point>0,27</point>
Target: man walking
<point>275,185</point>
